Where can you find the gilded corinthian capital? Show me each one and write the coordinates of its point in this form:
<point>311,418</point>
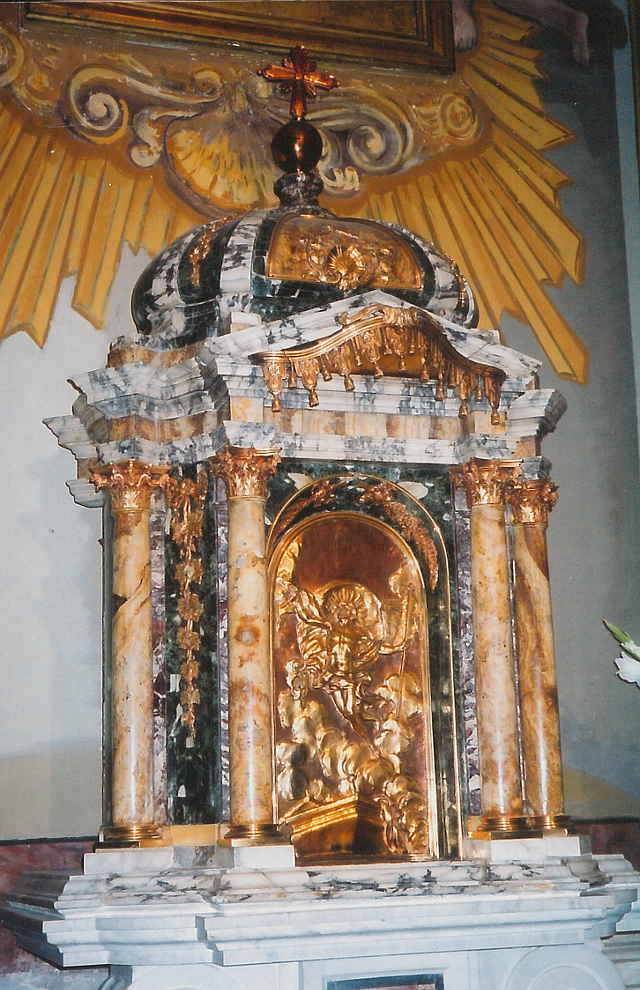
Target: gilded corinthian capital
<point>485,482</point>
<point>532,501</point>
<point>245,470</point>
<point>129,483</point>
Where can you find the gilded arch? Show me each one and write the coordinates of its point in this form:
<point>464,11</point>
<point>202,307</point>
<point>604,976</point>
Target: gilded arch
<point>364,728</point>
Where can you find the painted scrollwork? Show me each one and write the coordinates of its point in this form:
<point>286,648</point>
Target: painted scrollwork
<point>98,105</point>
<point>204,123</point>
<point>370,132</point>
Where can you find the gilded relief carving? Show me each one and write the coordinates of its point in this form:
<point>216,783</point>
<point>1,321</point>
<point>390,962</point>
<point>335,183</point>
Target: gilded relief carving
<point>129,483</point>
<point>383,496</point>
<point>245,470</point>
<point>356,255</point>
<point>353,736</point>
<point>320,494</point>
<point>345,261</point>
<point>485,482</point>
<point>199,251</point>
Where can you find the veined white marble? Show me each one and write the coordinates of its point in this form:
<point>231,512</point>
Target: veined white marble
<point>235,274</point>
<point>535,413</point>
<point>176,918</point>
<point>530,851</point>
<point>204,385</point>
<point>313,324</point>
<point>84,433</point>
<point>352,449</point>
<point>446,287</point>
<point>84,493</point>
<point>397,394</point>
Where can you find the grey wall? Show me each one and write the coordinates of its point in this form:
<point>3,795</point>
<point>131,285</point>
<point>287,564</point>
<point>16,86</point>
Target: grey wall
<point>594,531</point>
<point>50,575</point>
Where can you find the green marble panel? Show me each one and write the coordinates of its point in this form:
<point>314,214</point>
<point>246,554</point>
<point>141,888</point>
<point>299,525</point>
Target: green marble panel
<point>194,793</point>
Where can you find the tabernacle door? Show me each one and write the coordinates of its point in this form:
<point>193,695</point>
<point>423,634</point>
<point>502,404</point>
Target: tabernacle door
<point>354,744</point>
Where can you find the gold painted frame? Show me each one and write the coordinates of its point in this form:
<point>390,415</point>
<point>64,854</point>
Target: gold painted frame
<point>427,47</point>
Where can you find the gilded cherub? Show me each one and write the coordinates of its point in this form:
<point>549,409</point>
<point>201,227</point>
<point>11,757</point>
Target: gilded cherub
<point>341,632</point>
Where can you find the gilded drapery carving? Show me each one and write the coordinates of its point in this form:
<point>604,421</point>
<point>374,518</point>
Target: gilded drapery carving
<point>385,339</point>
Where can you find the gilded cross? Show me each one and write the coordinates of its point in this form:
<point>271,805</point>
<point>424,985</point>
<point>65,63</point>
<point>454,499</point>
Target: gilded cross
<point>298,74</point>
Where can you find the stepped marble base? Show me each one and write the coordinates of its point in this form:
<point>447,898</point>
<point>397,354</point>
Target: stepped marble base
<point>179,918</point>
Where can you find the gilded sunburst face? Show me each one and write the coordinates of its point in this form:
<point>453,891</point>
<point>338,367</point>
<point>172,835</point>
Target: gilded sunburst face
<point>347,261</point>
<point>351,605</point>
<point>347,267</point>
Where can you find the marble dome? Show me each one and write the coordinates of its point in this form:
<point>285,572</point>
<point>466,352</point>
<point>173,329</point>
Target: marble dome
<point>273,264</point>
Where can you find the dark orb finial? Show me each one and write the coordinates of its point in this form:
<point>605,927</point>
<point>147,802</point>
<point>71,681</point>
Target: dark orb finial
<point>297,146</point>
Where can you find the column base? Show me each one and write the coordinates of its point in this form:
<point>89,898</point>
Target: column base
<point>114,836</point>
<point>254,835</point>
<point>504,827</point>
<point>550,823</point>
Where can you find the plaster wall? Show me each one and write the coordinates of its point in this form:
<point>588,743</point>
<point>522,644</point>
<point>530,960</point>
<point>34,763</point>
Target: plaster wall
<point>594,533</point>
<point>50,575</point>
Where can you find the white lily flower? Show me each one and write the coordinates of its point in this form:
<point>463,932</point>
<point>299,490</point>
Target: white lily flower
<point>628,669</point>
<point>630,647</point>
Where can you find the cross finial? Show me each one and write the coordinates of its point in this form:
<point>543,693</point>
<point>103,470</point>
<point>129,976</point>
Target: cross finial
<point>298,74</point>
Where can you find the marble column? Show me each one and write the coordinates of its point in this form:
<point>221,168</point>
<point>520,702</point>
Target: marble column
<point>245,472</point>
<point>129,485</point>
<point>496,699</point>
<point>530,502</point>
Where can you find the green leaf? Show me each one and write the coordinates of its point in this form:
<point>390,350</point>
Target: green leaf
<point>618,634</point>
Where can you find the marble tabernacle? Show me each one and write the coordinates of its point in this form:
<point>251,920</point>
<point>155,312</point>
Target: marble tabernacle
<point>332,749</point>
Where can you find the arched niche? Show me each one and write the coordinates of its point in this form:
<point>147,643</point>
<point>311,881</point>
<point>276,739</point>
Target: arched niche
<point>364,721</point>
